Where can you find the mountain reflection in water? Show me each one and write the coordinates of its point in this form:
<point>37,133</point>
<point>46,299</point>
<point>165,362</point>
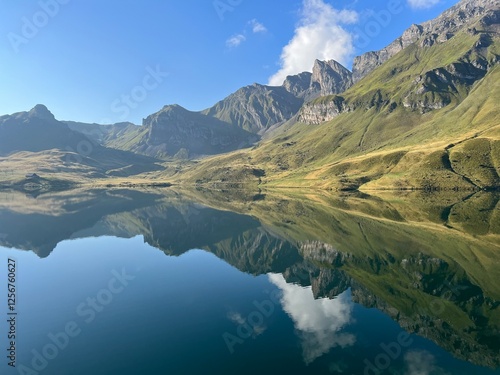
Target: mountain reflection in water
<point>428,262</point>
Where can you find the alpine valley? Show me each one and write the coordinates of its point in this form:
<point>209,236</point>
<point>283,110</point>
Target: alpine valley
<point>421,113</point>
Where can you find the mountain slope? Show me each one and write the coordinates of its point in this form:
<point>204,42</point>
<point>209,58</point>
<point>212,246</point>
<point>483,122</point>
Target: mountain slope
<point>258,108</point>
<point>175,131</point>
<point>407,124</point>
<point>101,134</point>
<point>438,30</point>
<point>35,141</point>
<point>36,130</point>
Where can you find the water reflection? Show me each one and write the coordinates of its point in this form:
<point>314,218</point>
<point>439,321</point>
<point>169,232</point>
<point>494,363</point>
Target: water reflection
<point>430,263</point>
<point>320,322</point>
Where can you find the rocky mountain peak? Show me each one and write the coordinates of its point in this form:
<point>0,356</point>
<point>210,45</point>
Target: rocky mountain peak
<point>438,30</point>
<point>170,115</point>
<point>256,108</point>
<point>298,84</point>
<point>40,111</point>
<point>330,77</point>
<point>327,77</point>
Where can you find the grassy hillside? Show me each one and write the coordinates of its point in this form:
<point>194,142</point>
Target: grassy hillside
<point>426,119</point>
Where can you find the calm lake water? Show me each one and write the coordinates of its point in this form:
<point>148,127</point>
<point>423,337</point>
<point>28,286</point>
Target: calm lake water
<point>127,282</point>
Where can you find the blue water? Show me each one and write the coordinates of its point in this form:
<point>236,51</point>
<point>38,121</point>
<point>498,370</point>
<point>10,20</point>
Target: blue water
<point>131,309</point>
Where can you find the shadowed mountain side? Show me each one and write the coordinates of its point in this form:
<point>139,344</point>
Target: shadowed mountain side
<point>176,132</point>
<point>101,134</point>
<point>35,141</point>
<point>36,130</point>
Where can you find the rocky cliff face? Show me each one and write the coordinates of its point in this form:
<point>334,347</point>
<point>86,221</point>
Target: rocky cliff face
<point>316,112</point>
<point>367,62</point>
<point>473,23</point>
<point>438,30</point>
<point>299,84</point>
<point>438,87</point>
<point>174,129</point>
<point>327,78</point>
<point>176,132</point>
<point>330,77</point>
<point>256,108</point>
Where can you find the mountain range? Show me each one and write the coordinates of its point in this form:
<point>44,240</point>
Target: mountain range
<point>421,113</point>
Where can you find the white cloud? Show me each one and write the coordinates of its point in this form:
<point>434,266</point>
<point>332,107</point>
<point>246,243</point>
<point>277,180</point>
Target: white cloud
<point>422,4</point>
<point>319,35</point>
<point>319,322</point>
<point>235,40</point>
<point>239,320</point>
<point>257,27</point>
<point>419,363</point>
<point>236,317</point>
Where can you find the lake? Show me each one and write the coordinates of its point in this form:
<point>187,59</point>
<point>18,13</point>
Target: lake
<point>230,282</point>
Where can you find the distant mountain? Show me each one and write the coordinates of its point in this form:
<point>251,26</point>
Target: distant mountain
<point>36,130</point>
<point>175,131</point>
<point>256,108</point>
<point>101,133</point>
<point>36,141</point>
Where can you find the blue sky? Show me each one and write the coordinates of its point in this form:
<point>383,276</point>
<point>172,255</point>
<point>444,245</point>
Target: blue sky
<point>109,61</point>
